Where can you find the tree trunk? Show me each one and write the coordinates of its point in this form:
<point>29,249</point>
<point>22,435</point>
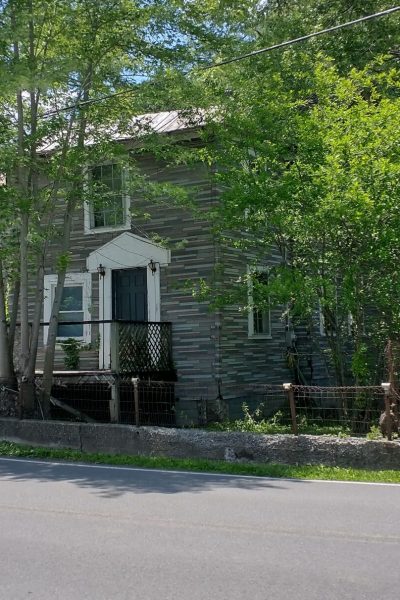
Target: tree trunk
<point>6,373</point>
<point>30,372</point>
<point>48,366</point>
<point>13,320</point>
<point>26,396</point>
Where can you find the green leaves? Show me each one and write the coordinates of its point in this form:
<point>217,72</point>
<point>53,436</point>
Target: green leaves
<point>307,148</point>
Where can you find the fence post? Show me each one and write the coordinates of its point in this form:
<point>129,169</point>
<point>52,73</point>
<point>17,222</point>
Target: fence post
<point>114,343</point>
<point>115,400</point>
<point>135,381</point>
<point>388,417</point>
<point>288,387</point>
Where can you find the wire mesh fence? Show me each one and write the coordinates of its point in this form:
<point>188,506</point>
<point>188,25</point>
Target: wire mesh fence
<point>106,397</point>
<point>307,409</point>
<point>8,401</point>
<point>355,409</point>
<point>298,409</point>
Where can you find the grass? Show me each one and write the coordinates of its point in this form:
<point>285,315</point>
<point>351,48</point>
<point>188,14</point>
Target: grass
<point>209,466</point>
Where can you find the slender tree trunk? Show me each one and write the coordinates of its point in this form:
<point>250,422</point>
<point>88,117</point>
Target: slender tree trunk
<point>13,321</point>
<point>30,373</point>
<point>48,366</point>
<point>66,240</point>
<point>25,393</point>
<point>29,338</point>
<point>29,370</point>
<point>6,374</point>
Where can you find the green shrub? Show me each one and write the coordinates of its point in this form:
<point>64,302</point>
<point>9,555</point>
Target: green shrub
<point>71,348</point>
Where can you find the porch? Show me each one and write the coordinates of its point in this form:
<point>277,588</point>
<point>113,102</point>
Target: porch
<point>135,348</point>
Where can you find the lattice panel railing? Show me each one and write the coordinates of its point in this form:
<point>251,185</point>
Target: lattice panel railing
<point>144,347</point>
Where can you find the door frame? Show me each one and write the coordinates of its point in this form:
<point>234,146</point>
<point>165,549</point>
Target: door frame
<point>105,308</point>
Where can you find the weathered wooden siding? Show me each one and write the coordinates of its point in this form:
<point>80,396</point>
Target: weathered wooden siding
<point>192,323</point>
<point>245,360</point>
<point>209,348</point>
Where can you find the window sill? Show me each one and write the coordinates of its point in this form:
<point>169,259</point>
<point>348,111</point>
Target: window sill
<point>61,341</point>
<point>99,230</point>
<point>259,336</point>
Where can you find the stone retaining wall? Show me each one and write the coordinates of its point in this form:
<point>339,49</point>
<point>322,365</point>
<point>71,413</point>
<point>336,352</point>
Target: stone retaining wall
<point>192,443</point>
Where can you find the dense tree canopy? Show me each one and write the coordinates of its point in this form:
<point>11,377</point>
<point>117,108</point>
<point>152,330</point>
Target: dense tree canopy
<point>307,148</point>
<point>73,72</point>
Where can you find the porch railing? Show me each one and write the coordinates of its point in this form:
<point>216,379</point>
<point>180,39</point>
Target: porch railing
<point>142,349</point>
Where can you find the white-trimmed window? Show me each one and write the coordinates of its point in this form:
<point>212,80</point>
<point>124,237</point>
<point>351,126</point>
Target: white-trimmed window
<point>75,306</point>
<point>346,325</point>
<point>259,323</point>
<point>325,328</point>
<point>108,207</point>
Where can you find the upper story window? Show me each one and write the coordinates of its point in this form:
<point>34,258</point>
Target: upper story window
<point>108,208</point>
<point>260,311</point>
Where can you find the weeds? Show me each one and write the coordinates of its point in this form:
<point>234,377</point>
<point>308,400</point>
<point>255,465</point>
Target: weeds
<point>254,423</point>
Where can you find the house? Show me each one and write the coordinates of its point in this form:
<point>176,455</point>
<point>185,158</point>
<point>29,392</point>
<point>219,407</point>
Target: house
<point>125,298</point>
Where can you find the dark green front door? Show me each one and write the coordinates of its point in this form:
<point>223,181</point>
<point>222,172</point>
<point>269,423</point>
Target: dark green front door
<point>130,294</point>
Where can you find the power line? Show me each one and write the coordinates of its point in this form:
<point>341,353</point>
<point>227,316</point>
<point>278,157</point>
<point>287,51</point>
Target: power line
<point>302,38</point>
<point>238,58</point>
<point>50,113</point>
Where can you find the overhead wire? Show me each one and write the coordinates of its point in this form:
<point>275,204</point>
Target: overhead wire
<point>302,38</point>
<point>228,61</point>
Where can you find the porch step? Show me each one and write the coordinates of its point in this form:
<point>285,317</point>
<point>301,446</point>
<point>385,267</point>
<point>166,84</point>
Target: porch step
<point>88,360</point>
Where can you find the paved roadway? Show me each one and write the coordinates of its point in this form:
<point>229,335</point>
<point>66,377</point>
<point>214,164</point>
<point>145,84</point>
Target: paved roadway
<point>77,532</point>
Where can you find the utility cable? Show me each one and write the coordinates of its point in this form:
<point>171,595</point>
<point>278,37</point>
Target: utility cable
<point>237,58</point>
<point>301,39</point>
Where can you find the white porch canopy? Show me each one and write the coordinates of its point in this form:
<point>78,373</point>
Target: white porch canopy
<point>127,251</point>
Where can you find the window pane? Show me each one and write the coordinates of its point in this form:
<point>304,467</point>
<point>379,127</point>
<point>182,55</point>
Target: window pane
<point>261,321</point>
<point>99,219</point>
<point>72,298</point>
<point>70,330</point>
<point>261,316</point>
<point>108,207</point>
<point>67,331</point>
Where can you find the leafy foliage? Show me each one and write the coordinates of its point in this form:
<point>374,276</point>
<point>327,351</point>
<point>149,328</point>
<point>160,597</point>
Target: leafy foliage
<point>308,164</point>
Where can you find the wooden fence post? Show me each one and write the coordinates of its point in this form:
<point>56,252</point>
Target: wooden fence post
<point>135,381</point>
<point>115,400</point>
<point>288,387</point>
<point>388,417</point>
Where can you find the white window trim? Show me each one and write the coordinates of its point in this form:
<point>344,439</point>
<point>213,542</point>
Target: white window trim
<point>322,331</point>
<point>251,332</point>
<point>71,279</point>
<point>87,208</point>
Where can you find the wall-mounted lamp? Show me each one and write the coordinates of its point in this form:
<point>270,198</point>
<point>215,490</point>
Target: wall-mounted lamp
<point>152,266</point>
<point>101,270</point>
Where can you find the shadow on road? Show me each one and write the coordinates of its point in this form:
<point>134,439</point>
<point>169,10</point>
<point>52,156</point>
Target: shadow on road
<point>113,482</point>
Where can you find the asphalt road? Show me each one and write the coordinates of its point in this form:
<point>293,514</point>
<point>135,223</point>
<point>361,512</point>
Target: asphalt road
<point>105,533</point>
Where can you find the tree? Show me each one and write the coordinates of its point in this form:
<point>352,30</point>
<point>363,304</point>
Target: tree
<point>306,149</point>
<point>74,53</point>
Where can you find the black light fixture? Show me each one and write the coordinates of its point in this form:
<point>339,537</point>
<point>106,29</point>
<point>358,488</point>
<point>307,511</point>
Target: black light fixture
<point>152,266</point>
<point>101,270</point>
